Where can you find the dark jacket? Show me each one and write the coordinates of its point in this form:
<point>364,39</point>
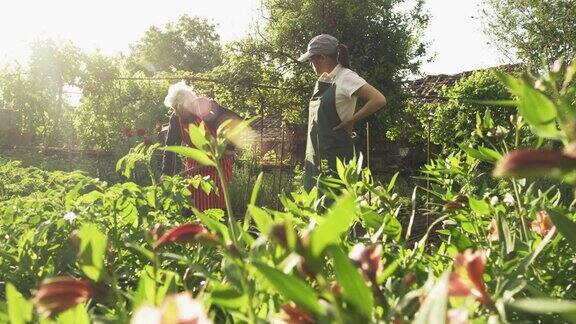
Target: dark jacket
<point>217,115</point>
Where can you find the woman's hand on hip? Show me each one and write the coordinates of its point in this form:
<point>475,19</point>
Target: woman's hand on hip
<point>347,125</point>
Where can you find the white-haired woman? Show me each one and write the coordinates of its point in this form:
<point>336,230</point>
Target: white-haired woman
<point>189,108</point>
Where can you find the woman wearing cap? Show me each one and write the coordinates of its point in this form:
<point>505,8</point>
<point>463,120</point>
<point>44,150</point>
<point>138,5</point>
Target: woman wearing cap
<point>190,109</point>
<point>332,109</point>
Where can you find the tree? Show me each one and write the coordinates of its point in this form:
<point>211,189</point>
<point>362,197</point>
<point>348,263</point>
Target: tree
<point>109,106</point>
<point>189,44</point>
<point>539,31</point>
<point>384,44</point>
<point>249,83</point>
<point>54,65</point>
<point>35,92</point>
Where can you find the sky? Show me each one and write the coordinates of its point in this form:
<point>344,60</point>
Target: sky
<point>454,35</point>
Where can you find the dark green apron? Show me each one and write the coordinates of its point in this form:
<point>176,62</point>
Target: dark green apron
<point>323,143</point>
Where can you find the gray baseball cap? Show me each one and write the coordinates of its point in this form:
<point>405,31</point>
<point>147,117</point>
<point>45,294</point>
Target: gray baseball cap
<point>320,45</point>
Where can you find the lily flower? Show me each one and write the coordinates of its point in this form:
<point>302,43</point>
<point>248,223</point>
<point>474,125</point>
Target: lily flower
<point>368,259</point>
<point>175,309</point>
<point>466,279</point>
<point>543,224</point>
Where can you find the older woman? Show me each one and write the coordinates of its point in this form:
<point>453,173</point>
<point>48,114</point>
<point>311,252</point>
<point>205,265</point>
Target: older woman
<point>189,108</point>
<point>332,109</point>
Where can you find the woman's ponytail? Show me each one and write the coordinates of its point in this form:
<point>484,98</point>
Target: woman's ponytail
<point>343,56</point>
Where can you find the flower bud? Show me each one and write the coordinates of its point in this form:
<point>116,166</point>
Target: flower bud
<point>74,238</point>
<point>493,231</point>
<point>368,259</point>
<point>187,233</point>
<point>557,66</point>
<point>532,162</point>
<point>59,294</point>
<point>278,234</point>
<point>335,288</point>
<point>409,279</point>
<point>294,314</point>
<point>304,269</point>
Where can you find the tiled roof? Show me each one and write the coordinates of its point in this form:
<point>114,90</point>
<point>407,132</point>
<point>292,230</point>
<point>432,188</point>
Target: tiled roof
<point>427,88</point>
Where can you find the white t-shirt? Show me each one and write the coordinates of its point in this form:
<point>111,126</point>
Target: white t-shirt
<point>347,82</point>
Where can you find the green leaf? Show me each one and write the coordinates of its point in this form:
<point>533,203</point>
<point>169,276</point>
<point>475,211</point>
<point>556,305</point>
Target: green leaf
<point>256,189</point>
<point>76,315</point>
<point>545,306</point>
<point>337,221</point>
<point>538,110</point>
<point>564,225</point>
<point>151,196</point>
<point>90,197</point>
<point>392,182</point>
<point>529,259</point>
<point>253,199</point>
<point>290,287</point>
<point>390,269</point>
<point>192,153</point>
<point>340,169</point>
<point>92,251</point>
<point>227,296</point>
<point>482,153</point>
<point>212,224</point>
<point>198,136</point>
<point>472,152</point>
<point>168,286</point>
<point>479,206</point>
<point>19,309</point>
<point>232,133</point>
<point>503,228</point>
<point>72,195</point>
<point>490,154</point>
<point>262,219</point>
<point>468,227</point>
<point>145,292</point>
<point>500,103</point>
<point>487,121</point>
<point>354,288</point>
<point>435,306</point>
<point>141,250</point>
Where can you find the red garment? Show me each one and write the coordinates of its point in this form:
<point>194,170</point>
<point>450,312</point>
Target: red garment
<point>193,168</point>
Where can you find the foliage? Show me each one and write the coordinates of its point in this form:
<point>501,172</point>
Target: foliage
<point>335,254</point>
<point>250,83</point>
<point>36,92</point>
<point>112,110</point>
<point>472,118</point>
<point>383,41</point>
<point>188,44</point>
<point>268,56</point>
<point>539,31</point>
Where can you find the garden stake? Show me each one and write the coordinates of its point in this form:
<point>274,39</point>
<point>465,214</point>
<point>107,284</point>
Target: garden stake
<point>368,153</point>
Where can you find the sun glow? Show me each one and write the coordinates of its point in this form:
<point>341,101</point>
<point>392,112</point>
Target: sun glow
<point>110,26</point>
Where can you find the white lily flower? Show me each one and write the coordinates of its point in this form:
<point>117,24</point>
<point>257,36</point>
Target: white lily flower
<point>494,200</point>
<point>70,216</point>
<point>509,200</point>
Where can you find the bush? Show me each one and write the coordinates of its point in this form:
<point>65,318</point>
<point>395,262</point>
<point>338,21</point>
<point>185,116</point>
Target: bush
<point>454,121</point>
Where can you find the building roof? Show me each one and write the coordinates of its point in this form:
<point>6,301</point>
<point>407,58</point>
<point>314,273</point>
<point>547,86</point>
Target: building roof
<point>427,88</point>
